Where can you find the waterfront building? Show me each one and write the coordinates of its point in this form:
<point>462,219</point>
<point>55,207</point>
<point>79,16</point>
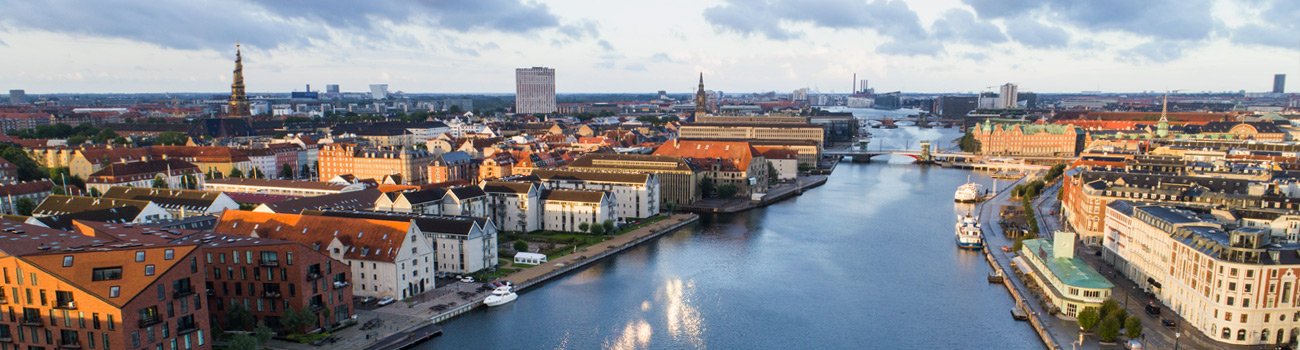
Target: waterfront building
<point>374,163</point>
<point>567,210</point>
<point>636,194</point>
<point>280,187</point>
<point>515,206</point>
<point>174,172</point>
<point>1000,139</point>
<point>352,200</point>
<point>279,275</point>
<point>535,90</point>
<point>142,211</point>
<point>1237,286</point>
<point>463,200</point>
<point>734,163</point>
<point>1067,282</point>
<point>678,181</point>
<point>753,131</point>
<point>462,244</point>
<point>387,258</point>
<point>180,203</point>
<point>1085,195</point>
<point>101,293</point>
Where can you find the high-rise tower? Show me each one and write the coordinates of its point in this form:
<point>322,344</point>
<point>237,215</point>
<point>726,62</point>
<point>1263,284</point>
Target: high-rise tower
<point>701,100</point>
<point>238,101</point>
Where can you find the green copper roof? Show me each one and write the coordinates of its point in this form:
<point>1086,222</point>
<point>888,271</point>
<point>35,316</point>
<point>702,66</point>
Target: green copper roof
<point>1073,272</point>
<point>1030,129</point>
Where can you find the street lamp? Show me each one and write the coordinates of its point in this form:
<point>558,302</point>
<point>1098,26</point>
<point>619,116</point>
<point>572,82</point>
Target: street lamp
<point>1176,336</point>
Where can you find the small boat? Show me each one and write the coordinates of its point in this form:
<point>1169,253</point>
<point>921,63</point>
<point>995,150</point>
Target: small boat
<point>500,296</point>
<point>1018,314</point>
<point>969,234</point>
<point>995,277</point>
<point>969,193</point>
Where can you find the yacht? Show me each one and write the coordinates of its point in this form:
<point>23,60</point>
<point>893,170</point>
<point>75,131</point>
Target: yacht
<point>500,296</point>
<point>968,232</point>
<point>969,193</point>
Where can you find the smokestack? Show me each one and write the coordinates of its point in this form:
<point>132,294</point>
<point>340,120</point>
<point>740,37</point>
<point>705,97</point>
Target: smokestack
<point>308,87</point>
<point>855,84</point>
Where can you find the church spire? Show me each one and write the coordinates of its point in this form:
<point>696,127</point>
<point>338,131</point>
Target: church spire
<point>238,106</point>
<point>701,100</point>
<point>1162,127</point>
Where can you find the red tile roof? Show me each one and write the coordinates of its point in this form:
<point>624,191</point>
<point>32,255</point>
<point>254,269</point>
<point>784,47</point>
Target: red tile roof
<point>366,239</point>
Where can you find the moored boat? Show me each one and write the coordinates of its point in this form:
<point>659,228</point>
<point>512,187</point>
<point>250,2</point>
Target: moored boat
<point>968,232</point>
<point>500,296</point>
<point>969,193</point>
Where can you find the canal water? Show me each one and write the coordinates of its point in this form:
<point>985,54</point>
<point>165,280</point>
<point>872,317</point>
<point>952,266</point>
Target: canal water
<point>865,261</point>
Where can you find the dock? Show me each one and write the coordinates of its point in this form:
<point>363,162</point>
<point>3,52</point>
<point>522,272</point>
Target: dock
<point>407,338</point>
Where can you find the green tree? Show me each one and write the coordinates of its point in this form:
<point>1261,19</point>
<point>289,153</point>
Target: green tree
<point>191,183</point>
<point>609,226</point>
<point>707,187</point>
<point>76,140</point>
<point>727,191</point>
<point>159,182</point>
<point>521,246</point>
<point>968,143</point>
<point>1133,327</point>
<point>104,136</point>
<point>325,314</point>
<point>58,190</point>
<point>171,138</point>
<point>243,342</point>
<point>597,229</point>
<point>94,192</point>
<point>257,173</point>
<point>1088,318</point>
<point>305,171</point>
<point>63,175</point>
<point>1056,171</point>
<point>28,170</point>
<point>236,173</point>
<point>262,333</point>
<point>583,227</point>
<point>293,321</point>
<point>455,109</point>
<point>772,174</point>
<point>25,206</point>
<point>1109,329</point>
<point>286,171</point>
<point>238,317</point>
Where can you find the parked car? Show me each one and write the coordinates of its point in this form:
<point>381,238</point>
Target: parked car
<point>1152,309</point>
<point>367,300</point>
<point>1133,345</point>
<point>386,301</point>
<point>467,279</point>
<point>1168,323</point>
<point>1006,249</point>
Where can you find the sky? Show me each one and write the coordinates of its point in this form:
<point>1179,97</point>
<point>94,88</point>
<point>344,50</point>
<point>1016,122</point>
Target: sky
<point>615,46</point>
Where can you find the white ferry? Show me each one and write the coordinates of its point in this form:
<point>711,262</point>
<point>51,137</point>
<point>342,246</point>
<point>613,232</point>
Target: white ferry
<point>969,193</point>
<point>968,232</point>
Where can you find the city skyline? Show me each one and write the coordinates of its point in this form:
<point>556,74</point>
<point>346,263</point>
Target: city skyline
<point>913,46</point>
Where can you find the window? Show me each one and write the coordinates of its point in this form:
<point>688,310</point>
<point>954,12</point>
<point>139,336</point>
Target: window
<point>67,261</point>
<point>111,325</point>
<point>209,255</point>
<point>288,258</point>
<point>113,292</point>
<point>139,256</point>
<point>148,270</point>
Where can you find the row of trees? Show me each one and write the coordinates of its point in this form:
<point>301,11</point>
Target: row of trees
<point>1109,320</point>
<point>710,189</point>
<point>968,143</point>
<point>240,318</point>
<point>605,227</point>
<point>1027,193</point>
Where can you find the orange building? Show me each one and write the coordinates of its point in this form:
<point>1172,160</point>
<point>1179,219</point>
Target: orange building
<point>71,290</point>
<point>374,163</point>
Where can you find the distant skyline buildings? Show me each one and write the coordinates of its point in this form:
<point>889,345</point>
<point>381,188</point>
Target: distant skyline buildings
<point>432,47</point>
<point>1279,83</point>
<point>378,91</point>
<point>1007,96</point>
<point>535,90</point>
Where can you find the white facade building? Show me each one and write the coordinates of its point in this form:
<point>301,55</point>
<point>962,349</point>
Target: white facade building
<point>636,194</point>
<point>535,90</point>
<point>515,205</point>
<point>567,210</point>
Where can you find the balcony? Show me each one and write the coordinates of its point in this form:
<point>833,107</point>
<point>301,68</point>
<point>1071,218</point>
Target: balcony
<point>317,307</point>
<point>6,338</point>
<point>4,301</point>
<point>340,284</point>
<point>312,276</point>
<point>186,328</point>
<point>181,293</point>
<point>270,294</point>
<point>146,322</point>
<point>70,344</point>
<point>32,322</point>
<point>65,305</point>
<point>268,263</point>
<point>211,293</point>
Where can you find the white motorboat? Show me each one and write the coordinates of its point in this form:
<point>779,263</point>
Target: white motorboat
<point>500,296</point>
<point>969,193</point>
<point>969,234</point>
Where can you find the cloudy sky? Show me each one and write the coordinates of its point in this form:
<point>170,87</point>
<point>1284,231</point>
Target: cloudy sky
<point>473,46</point>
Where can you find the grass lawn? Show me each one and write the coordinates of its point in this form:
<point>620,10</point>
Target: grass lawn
<point>488,276</point>
<point>649,221</point>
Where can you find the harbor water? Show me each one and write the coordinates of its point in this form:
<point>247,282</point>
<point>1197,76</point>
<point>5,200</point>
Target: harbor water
<point>866,261</point>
